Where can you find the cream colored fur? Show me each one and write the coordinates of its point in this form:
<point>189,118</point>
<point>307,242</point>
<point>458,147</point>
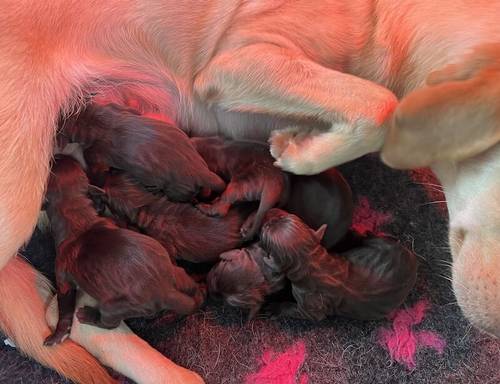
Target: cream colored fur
<point>328,74</point>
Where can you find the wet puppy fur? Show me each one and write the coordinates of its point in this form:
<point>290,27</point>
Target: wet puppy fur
<point>249,170</point>
<point>365,282</point>
<point>156,153</point>
<point>244,280</point>
<point>129,274</point>
<point>182,229</point>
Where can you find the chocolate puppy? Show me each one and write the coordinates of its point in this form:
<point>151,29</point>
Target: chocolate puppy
<point>182,229</point>
<point>243,279</point>
<point>366,282</point>
<point>325,198</point>
<point>129,274</point>
<point>155,153</point>
<point>249,169</point>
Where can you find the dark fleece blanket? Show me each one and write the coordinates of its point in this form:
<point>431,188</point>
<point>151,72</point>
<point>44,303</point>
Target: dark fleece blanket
<point>426,341</point>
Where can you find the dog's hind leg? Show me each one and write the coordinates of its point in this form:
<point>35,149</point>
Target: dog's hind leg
<point>283,82</point>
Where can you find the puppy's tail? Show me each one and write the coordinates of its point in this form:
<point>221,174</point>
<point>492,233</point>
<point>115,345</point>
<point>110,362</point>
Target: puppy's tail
<point>24,294</point>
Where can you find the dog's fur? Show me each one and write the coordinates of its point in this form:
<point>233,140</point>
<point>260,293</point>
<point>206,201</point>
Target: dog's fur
<point>325,198</point>
<point>97,257</point>
<point>183,230</point>
<point>244,69</point>
<point>248,168</point>
<point>156,153</point>
<point>243,279</point>
<point>365,282</point>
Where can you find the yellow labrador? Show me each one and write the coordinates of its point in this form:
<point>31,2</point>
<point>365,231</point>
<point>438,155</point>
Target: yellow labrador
<point>321,79</point>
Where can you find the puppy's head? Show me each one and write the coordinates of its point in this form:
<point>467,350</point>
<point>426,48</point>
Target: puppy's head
<point>67,177</point>
<point>453,126</point>
<point>124,196</point>
<point>239,280</point>
<point>288,239</point>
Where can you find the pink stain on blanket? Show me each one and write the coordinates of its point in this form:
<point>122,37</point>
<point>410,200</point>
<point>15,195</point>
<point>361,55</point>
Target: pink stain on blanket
<point>366,219</point>
<point>281,368</point>
<point>402,341</point>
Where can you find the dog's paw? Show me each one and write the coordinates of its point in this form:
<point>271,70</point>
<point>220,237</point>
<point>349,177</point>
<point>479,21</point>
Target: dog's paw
<point>247,231</point>
<point>280,140</point>
<point>208,209</point>
<point>88,315</point>
<point>57,337</point>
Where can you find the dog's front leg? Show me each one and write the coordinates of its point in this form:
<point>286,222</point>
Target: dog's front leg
<point>268,79</point>
<point>125,352</point>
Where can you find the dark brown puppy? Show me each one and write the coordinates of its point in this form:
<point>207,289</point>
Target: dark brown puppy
<point>129,274</point>
<point>366,282</point>
<point>325,198</point>
<point>155,153</point>
<point>182,229</point>
<point>249,169</point>
<point>243,279</point>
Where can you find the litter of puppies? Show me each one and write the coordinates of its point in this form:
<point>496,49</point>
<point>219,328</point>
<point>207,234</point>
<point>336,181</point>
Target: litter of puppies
<point>150,198</point>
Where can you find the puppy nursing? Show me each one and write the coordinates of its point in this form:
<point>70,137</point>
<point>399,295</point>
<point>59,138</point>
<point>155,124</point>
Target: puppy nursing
<point>154,152</point>
<point>97,257</point>
<point>365,282</point>
<point>248,167</point>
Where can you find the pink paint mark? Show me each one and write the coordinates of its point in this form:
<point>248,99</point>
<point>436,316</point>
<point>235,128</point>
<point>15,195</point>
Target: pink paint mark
<point>281,368</point>
<point>366,219</point>
<point>431,186</point>
<point>402,341</point>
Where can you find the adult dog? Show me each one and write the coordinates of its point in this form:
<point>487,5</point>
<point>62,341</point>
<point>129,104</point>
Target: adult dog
<point>326,74</point>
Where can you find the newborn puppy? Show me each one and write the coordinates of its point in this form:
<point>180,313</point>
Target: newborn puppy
<point>243,279</point>
<point>129,274</point>
<point>366,282</point>
<point>182,229</point>
<point>249,169</point>
<point>156,153</point>
<point>320,199</point>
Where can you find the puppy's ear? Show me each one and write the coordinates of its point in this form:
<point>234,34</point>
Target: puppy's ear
<point>451,121</point>
<point>320,232</point>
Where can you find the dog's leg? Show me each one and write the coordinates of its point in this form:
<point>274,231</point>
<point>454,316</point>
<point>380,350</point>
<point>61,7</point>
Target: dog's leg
<point>270,197</point>
<point>267,79</point>
<point>66,299</point>
<point>125,352</point>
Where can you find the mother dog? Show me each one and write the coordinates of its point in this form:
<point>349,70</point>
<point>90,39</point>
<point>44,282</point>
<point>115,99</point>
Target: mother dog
<point>324,76</point>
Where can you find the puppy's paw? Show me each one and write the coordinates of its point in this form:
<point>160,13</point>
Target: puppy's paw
<point>88,315</point>
<point>248,231</point>
<point>57,337</point>
<point>208,209</point>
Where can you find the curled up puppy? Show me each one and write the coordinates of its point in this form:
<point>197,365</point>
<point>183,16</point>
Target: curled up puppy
<point>249,169</point>
<point>243,279</point>
<point>182,229</point>
<point>156,153</point>
<point>365,282</point>
<point>127,273</point>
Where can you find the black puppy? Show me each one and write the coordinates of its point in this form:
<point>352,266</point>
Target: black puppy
<point>182,229</point>
<point>249,169</point>
<point>366,282</point>
<point>157,154</point>
<point>129,274</point>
